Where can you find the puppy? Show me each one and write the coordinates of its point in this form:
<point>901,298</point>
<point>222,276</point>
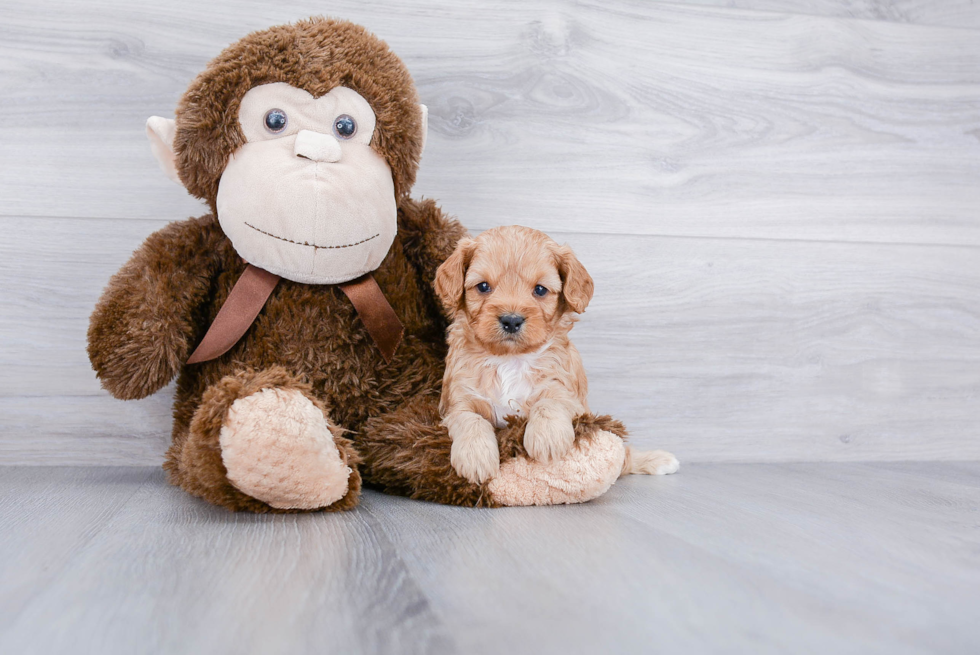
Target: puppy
<point>514,295</point>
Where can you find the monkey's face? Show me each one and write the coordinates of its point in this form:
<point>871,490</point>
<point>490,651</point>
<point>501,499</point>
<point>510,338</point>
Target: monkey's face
<point>307,197</point>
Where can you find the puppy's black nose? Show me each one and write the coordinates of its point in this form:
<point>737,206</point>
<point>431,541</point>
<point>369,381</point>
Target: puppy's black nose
<point>511,323</point>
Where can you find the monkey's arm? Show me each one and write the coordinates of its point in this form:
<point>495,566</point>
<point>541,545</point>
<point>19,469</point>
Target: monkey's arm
<point>429,236</point>
<point>146,322</point>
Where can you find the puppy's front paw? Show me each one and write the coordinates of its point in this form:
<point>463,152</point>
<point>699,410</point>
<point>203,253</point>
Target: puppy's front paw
<point>548,437</point>
<point>474,454</point>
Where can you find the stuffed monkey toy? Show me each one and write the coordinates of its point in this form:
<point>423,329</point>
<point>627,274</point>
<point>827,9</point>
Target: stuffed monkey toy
<point>299,315</point>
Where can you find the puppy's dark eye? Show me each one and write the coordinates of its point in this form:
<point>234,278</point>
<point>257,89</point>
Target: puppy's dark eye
<point>540,291</point>
<point>483,287</point>
<point>275,120</point>
<point>344,126</point>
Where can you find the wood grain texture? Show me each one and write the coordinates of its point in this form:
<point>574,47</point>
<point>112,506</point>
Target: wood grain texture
<point>54,271</point>
<point>950,13</point>
<point>46,517</point>
<point>169,574</point>
<point>775,351</point>
<point>716,349</point>
<point>744,558</point>
<point>94,430</point>
<point>627,117</point>
<point>802,558</point>
<point>803,183</point>
<point>872,527</point>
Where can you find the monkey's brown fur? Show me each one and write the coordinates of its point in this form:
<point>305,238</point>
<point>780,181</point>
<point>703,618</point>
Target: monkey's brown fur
<point>315,55</point>
<point>308,338</point>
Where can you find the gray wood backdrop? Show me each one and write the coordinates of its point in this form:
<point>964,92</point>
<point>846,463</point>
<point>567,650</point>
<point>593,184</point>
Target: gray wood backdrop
<point>780,203</point>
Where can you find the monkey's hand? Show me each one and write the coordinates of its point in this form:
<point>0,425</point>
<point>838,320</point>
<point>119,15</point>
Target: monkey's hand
<point>144,324</point>
<point>474,454</point>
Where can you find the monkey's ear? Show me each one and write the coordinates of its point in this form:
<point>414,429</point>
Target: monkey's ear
<point>451,275</point>
<point>160,132</point>
<point>425,124</point>
<point>577,286</point>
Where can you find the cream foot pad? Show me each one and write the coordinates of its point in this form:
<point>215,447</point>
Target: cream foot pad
<point>277,447</point>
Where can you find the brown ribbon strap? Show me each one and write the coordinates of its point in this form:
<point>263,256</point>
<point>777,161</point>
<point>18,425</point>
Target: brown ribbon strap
<point>250,293</point>
<point>376,313</point>
<point>246,300</point>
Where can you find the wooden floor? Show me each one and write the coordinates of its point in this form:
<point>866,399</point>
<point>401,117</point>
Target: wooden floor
<point>741,558</point>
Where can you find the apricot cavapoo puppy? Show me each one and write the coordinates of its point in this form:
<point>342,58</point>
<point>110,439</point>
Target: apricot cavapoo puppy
<point>516,294</point>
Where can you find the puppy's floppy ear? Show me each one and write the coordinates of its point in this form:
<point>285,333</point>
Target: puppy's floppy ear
<point>576,283</point>
<point>452,273</point>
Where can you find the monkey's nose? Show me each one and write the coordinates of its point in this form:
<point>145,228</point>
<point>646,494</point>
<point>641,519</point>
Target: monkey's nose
<point>511,323</point>
<point>317,146</point>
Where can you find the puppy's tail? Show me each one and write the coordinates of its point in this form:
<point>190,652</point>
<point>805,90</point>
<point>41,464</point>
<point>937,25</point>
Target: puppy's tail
<point>649,462</point>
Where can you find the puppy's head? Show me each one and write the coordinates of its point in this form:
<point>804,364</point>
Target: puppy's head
<point>511,286</point>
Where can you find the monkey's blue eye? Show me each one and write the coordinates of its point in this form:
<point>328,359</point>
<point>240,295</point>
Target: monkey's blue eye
<point>483,287</point>
<point>540,291</point>
<point>275,120</point>
<point>344,126</point>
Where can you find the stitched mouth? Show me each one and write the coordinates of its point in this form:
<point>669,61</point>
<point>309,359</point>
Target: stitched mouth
<point>311,245</point>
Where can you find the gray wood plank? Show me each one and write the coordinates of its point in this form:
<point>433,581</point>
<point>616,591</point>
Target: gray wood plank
<point>734,558</point>
<point>772,351</point>
<point>883,529</point>
<point>617,116</point>
<point>52,273</point>
<point>46,516</point>
<point>950,13</point>
<point>964,473</point>
<point>170,574</point>
<point>742,558</point>
<point>85,430</point>
<point>731,350</point>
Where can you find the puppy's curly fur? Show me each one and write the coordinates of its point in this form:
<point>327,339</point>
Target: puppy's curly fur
<point>514,294</point>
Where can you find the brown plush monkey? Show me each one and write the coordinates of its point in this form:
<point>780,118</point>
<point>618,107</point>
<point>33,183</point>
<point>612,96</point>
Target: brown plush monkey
<point>304,298</point>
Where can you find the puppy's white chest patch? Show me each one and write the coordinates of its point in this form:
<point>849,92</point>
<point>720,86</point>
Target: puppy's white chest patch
<point>511,387</point>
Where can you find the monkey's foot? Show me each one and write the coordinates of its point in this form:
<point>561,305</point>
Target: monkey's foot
<point>277,447</point>
<point>585,472</point>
